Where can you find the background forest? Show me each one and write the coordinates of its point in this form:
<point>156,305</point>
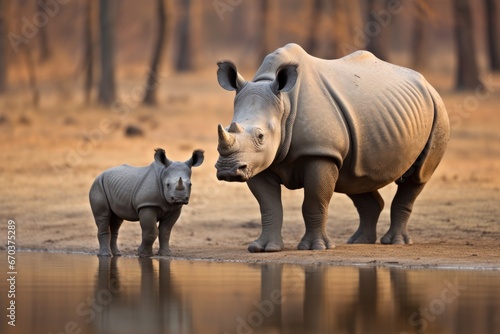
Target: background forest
<point>84,47</point>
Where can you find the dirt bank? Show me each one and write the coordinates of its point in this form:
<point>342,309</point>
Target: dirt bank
<point>50,157</point>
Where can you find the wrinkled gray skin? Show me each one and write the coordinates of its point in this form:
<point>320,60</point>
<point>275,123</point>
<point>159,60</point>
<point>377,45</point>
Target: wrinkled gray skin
<point>146,194</point>
<point>350,125</point>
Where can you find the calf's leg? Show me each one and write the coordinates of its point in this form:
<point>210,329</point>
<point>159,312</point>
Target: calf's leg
<point>102,216</point>
<point>115,224</point>
<point>148,218</point>
<point>165,228</point>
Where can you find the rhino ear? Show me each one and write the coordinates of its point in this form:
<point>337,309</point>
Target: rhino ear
<point>228,76</point>
<point>161,158</point>
<point>286,77</point>
<point>196,159</point>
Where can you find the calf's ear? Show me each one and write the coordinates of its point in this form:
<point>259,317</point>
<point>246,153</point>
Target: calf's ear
<point>228,76</point>
<point>161,158</point>
<point>196,159</point>
<point>286,77</point>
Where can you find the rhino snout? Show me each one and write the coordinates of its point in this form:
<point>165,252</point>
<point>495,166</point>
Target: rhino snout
<point>238,173</point>
<point>179,200</point>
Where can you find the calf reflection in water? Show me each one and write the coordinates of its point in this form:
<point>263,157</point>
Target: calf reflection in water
<point>155,305</point>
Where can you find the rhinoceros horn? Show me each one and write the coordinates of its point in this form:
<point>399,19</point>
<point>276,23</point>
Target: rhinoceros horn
<point>226,139</point>
<point>235,128</point>
<point>180,185</point>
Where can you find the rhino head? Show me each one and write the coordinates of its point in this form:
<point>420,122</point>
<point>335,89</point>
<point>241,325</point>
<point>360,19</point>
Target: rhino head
<point>250,143</point>
<point>176,176</point>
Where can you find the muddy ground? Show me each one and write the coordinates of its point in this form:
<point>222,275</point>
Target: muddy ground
<point>51,155</point>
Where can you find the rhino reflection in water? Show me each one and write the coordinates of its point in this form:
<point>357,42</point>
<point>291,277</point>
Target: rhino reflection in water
<point>350,125</point>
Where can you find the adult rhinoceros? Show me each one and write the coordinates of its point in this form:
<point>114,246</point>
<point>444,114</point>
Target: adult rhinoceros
<point>350,125</point>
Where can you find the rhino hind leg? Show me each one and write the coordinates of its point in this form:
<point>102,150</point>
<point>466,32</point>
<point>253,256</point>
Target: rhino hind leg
<point>401,208</point>
<point>102,216</point>
<point>369,206</point>
<point>114,225</point>
<point>319,183</point>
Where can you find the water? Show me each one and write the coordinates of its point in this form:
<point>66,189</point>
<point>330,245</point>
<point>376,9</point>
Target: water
<point>61,293</point>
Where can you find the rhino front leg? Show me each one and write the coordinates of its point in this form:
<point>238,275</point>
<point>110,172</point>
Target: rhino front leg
<point>369,206</point>
<point>401,208</point>
<point>166,225</point>
<point>148,218</point>
<point>320,176</point>
<point>267,191</point>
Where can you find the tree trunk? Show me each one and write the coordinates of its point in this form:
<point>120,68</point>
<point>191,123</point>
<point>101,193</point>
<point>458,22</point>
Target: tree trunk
<point>314,25</point>
<point>152,76</point>
<point>42,32</point>
<point>30,66</point>
<point>467,69</point>
<point>341,33</point>
<point>182,62</point>
<point>88,59</point>
<point>269,27</point>
<point>354,20</point>
<point>107,91</point>
<point>493,33</point>
<point>377,29</point>
<point>188,35</point>
<point>3,47</point>
<point>264,22</point>
<point>417,45</point>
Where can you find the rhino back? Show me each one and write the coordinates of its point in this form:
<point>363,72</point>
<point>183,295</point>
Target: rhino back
<point>372,117</point>
<point>389,113</point>
<point>119,184</point>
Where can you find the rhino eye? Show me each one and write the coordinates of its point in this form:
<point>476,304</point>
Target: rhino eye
<point>168,185</point>
<point>259,136</point>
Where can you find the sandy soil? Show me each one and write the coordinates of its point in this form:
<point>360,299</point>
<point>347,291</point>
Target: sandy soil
<point>51,155</point>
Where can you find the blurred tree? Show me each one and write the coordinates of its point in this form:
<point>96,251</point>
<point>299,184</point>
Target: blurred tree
<point>377,28</point>
<point>341,34</point>
<point>32,81</point>
<point>269,27</point>
<point>42,32</point>
<point>467,69</point>
<point>88,56</point>
<point>348,22</point>
<point>188,33</point>
<point>493,32</point>
<point>316,7</point>
<point>3,46</point>
<point>422,13</point>
<point>107,91</point>
<point>152,76</point>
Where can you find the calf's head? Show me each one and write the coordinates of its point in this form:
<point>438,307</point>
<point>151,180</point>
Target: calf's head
<point>176,176</point>
<point>250,143</point>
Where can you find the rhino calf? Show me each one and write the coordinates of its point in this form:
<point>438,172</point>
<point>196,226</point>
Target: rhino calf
<point>147,194</point>
<point>350,125</point>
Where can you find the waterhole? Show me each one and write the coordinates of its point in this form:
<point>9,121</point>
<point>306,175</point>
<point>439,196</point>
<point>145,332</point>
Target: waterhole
<point>67,293</point>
